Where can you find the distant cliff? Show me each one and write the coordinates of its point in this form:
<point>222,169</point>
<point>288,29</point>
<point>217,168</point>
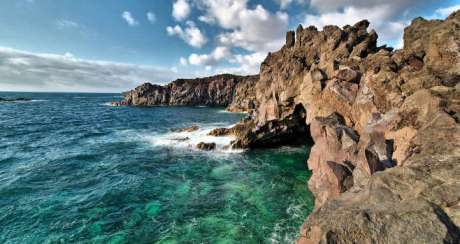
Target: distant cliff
<point>233,91</point>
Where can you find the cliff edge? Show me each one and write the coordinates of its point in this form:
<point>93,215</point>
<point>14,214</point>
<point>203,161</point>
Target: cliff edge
<point>385,126</point>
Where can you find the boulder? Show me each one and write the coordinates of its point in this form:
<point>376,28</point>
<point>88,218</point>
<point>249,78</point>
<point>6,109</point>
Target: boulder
<point>206,146</point>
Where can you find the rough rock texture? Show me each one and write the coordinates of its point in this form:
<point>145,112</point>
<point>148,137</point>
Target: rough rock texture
<point>206,146</point>
<point>219,90</point>
<point>386,158</point>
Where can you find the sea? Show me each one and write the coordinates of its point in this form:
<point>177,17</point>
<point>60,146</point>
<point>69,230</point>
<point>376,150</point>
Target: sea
<point>74,169</point>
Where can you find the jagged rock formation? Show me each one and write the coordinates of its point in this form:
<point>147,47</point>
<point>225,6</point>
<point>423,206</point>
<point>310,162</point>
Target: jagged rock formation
<point>386,158</point>
<point>221,90</point>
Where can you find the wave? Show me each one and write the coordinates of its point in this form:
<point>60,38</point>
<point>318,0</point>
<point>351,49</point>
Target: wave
<point>229,112</point>
<point>108,104</point>
<point>189,140</point>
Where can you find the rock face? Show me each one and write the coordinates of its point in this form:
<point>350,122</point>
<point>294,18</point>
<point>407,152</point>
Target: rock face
<point>385,126</point>
<point>219,90</point>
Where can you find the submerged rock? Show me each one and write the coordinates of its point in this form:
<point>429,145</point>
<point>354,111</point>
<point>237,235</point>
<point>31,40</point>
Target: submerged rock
<point>186,129</point>
<point>206,146</point>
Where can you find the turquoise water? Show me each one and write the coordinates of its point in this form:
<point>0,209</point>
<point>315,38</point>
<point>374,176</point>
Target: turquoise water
<point>75,170</point>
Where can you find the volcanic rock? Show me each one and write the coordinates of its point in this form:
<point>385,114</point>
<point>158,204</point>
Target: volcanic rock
<point>219,90</point>
<point>385,126</point>
<point>206,146</point>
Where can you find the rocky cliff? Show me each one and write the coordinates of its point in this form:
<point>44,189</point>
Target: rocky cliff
<point>385,126</point>
<point>234,91</point>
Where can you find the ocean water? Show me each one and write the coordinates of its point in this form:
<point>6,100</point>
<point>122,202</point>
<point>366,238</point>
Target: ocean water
<point>75,170</point>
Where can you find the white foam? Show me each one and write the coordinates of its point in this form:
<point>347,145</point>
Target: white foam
<point>229,112</point>
<point>108,104</point>
<point>189,140</point>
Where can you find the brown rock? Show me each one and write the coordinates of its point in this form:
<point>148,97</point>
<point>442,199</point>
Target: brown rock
<point>347,74</point>
<point>216,90</point>
<point>206,146</point>
<point>219,132</point>
<point>186,129</point>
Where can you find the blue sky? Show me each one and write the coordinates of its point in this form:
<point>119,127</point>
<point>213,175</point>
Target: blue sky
<point>114,45</point>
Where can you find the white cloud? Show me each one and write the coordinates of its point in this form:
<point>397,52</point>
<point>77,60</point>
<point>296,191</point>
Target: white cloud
<point>211,59</point>
<point>151,17</point>
<point>181,10</point>
<point>379,16</point>
<point>442,13</point>
<point>127,16</point>
<point>254,29</point>
<point>183,61</point>
<point>285,3</point>
<point>245,64</point>
<point>190,34</point>
<point>51,72</point>
<point>398,6</point>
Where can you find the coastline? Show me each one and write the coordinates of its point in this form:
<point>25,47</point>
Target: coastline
<point>379,119</point>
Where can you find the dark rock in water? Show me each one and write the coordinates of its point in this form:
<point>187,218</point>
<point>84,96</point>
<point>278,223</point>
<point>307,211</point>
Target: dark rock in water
<point>220,132</point>
<point>186,129</point>
<point>19,99</point>
<point>219,90</point>
<point>206,146</point>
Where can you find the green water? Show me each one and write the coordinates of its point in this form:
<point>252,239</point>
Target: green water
<point>74,170</point>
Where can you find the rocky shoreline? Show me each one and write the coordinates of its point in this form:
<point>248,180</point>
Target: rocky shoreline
<point>231,91</point>
<point>385,126</point>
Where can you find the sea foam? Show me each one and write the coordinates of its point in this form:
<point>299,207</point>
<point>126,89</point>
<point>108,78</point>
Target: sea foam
<point>189,140</point>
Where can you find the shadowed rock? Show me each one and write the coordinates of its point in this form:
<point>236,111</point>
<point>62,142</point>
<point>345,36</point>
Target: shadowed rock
<point>206,146</point>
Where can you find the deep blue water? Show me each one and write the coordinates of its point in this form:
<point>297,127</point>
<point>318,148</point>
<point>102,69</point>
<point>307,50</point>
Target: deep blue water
<point>75,170</point>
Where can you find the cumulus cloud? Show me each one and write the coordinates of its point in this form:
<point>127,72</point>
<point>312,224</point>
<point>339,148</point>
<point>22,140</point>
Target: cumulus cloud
<point>398,6</point>
<point>151,17</point>
<point>211,59</point>
<point>442,13</point>
<point>253,29</point>
<point>190,34</point>
<point>379,17</point>
<point>245,63</point>
<point>181,10</point>
<point>50,72</point>
<point>388,18</point>
<point>128,17</point>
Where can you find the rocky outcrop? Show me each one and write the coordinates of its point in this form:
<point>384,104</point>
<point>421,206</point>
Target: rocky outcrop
<point>385,126</point>
<point>206,146</point>
<point>237,92</point>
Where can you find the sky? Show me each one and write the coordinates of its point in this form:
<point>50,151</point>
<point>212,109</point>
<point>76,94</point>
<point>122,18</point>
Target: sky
<point>115,45</point>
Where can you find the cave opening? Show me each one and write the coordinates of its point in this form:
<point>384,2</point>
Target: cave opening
<point>289,131</point>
